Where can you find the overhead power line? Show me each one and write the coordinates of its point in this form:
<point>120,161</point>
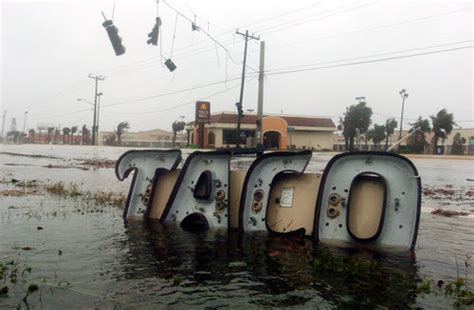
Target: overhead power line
<point>172,92</point>
<point>367,61</point>
<point>374,27</point>
<point>301,21</point>
<point>229,31</point>
<point>63,114</point>
<point>375,55</point>
<point>286,70</point>
<point>201,30</point>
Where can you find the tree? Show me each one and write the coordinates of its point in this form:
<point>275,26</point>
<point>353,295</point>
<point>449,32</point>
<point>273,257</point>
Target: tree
<point>66,132</point>
<point>458,141</point>
<point>56,135</point>
<point>13,125</point>
<point>13,135</point>
<point>121,127</point>
<point>390,126</point>
<point>177,127</point>
<point>379,134</point>
<point>31,135</point>
<point>356,121</point>
<point>50,133</point>
<point>376,134</point>
<point>85,134</point>
<point>73,131</point>
<point>442,126</point>
<point>417,141</point>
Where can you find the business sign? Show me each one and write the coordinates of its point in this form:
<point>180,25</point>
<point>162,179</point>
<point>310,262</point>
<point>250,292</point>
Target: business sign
<point>203,112</point>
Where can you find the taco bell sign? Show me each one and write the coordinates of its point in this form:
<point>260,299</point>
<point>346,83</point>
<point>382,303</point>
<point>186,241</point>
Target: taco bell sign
<point>203,112</point>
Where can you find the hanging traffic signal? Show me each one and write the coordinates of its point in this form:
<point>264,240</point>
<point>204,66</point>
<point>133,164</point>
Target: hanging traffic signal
<point>153,35</point>
<point>239,110</point>
<point>115,39</point>
<point>170,65</point>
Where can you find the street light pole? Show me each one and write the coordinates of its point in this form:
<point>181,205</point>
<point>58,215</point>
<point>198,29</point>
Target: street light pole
<point>404,96</point>
<point>24,122</point>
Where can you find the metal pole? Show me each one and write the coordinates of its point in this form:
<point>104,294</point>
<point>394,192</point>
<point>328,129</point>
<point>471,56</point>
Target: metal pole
<point>24,122</point>
<point>401,119</point>
<point>401,140</point>
<point>260,95</point>
<point>95,112</point>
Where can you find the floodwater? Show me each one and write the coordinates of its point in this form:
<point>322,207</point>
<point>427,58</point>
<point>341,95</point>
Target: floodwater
<point>83,256</point>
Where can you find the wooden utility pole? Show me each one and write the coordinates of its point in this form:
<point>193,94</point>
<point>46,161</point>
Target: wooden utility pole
<point>239,104</point>
<point>259,133</point>
<point>97,78</point>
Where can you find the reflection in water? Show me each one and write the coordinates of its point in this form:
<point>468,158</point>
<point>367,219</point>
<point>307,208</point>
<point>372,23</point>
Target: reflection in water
<point>217,268</point>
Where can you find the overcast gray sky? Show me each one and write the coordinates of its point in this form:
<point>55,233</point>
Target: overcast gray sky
<point>50,47</point>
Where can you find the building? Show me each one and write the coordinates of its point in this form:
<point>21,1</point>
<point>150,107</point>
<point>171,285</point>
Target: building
<point>149,138</point>
<point>280,131</point>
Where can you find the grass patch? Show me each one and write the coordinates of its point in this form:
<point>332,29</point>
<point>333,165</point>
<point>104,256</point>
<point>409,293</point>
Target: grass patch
<point>98,198</point>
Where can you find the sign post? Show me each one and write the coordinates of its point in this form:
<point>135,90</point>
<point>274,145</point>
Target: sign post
<point>203,116</point>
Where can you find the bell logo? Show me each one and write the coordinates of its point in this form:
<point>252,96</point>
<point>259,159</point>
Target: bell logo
<point>203,106</point>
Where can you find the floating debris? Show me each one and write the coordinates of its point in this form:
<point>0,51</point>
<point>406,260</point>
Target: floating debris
<point>448,213</point>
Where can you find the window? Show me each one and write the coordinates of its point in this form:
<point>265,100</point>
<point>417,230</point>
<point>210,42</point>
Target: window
<point>229,135</point>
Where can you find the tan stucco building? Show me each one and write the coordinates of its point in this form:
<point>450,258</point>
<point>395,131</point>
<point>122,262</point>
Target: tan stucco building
<point>280,131</point>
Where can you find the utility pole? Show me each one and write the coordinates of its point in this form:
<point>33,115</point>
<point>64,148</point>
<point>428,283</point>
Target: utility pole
<point>259,133</point>
<point>24,122</point>
<point>239,104</point>
<point>99,95</point>
<point>404,96</point>
<point>3,122</point>
<point>97,78</point>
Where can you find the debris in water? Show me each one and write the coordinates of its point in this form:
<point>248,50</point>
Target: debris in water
<point>448,213</point>
<point>17,193</point>
<point>237,264</point>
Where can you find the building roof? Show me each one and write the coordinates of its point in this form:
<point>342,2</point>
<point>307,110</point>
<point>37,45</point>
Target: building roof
<point>292,120</point>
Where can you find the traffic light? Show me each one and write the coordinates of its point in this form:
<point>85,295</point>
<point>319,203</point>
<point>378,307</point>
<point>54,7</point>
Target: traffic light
<point>153,35</point>
<point>115,39</point>
<point>170,65</point>
<point>239,109</point>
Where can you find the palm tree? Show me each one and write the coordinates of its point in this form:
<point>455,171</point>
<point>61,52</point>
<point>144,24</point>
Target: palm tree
<point>121,127</point>
<point>31,134</point>
<point>84,133</point>
<point>417,141</point>
<point>442,126</point>
<point>66,132</point>
<point>177,127</point>
<point>50,133</point>
<point>390,126</point>
<point>56,135</point>
<point>73,131</point>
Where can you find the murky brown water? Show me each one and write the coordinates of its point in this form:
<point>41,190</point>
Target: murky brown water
<point>98,262</point>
